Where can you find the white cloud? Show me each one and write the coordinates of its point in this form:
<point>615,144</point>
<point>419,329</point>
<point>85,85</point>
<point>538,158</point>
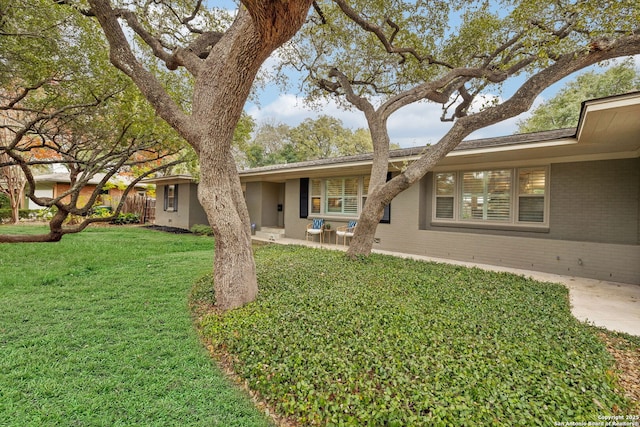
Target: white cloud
<point>417,124</point>
<point>291,110</point>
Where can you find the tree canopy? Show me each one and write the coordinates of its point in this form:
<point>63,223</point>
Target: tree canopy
<point>61,102</point>
<point>320,138</point>
<point>563,110</point>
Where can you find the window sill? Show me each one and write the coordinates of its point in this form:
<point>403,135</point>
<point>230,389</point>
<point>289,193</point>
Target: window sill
<point>491,226</point>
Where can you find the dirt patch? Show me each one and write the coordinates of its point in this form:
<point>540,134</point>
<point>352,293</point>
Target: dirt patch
<point>627,365</point>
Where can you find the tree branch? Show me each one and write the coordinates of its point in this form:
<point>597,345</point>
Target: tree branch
<point>387,42</point>
<point>522,99</point>
<point>361,103</point>
<point>277,21</point>
<point>123,58</point>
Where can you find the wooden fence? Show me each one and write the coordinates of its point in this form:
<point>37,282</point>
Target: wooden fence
<point>144,206</point>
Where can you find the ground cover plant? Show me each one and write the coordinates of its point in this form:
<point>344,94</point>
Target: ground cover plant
<point>387,341</point>
<point>95,331</point>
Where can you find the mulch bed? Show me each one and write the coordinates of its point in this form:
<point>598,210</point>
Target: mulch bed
<point>166,229</point>
<point>627,365</point>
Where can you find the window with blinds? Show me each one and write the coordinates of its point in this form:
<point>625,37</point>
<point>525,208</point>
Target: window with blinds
<point>445,195</point>
<point>510,196</point>
<point>316,196</point>
<point>486,195</point>
<point>171,198</point>
<point>531,193</point>
<point>342,196</point>
<point>339,197</point>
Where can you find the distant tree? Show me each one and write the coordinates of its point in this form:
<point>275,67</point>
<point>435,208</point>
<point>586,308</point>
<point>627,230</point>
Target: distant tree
<point>320,138</point>
<point>563,110</point>
<point>265,148</point>
<point>12,183</point>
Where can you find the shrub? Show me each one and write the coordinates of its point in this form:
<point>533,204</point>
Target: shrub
<point>126,218</point>
<point>202,230</point>
<point>4,201</point>
<point>5,214</point>
<point>101,212</point>
<point>45,214</point>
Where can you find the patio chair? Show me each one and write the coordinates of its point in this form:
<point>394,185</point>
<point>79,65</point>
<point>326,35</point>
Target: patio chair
<point>346,231</point>
<point>316,227</point>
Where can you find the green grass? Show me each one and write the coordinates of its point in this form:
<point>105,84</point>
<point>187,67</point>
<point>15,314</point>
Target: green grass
<point>387,341</point>
<point>95,331</point>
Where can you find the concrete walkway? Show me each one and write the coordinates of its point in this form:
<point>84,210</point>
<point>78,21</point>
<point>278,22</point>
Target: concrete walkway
<point>614,306</point>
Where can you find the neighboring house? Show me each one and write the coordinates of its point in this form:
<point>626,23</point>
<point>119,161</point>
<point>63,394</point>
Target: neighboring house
<point>565,201</point>
<point>177,202</point>
<point>54,184</point>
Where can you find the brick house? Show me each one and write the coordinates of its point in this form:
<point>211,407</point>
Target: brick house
<point>55,184</point>
<point>564,201</point>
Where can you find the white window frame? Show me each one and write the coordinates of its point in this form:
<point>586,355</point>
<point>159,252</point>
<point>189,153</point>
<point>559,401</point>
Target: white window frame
<point>361,197</point>
<point>515,196</point>
<point>171,201</point>
<point>518,195</point>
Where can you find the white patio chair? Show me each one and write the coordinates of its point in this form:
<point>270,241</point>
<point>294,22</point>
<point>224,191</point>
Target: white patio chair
<point>316,227</point>
<point>346,231</point>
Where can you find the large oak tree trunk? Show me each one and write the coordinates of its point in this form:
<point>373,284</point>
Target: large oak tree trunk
<point>220,93</point>
<point>220,195</point>
<point>362,241</point>
<point>372,212</point>
<point>222,84</point>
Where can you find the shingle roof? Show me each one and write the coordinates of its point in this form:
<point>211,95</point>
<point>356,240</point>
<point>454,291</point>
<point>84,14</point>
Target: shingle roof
<point>476,144</point>
<point>63,177</point>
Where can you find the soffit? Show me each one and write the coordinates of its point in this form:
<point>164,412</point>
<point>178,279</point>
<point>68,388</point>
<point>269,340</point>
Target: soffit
<point>615,124</point>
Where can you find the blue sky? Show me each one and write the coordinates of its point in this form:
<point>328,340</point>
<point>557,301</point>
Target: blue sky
<point>415,125</point>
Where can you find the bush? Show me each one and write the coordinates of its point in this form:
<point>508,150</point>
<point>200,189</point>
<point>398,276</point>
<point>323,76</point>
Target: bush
<point>45,214</point>
<point>5,214</point>
<point>101,212</point>
<point>202,230</point>
<point>4,201</point>
<point>126,218</point>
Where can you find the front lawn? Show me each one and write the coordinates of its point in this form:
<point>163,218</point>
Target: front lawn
<point>95,331</point>
<point>387,341</point>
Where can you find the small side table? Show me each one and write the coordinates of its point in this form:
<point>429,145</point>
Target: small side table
<point>328,233</point>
